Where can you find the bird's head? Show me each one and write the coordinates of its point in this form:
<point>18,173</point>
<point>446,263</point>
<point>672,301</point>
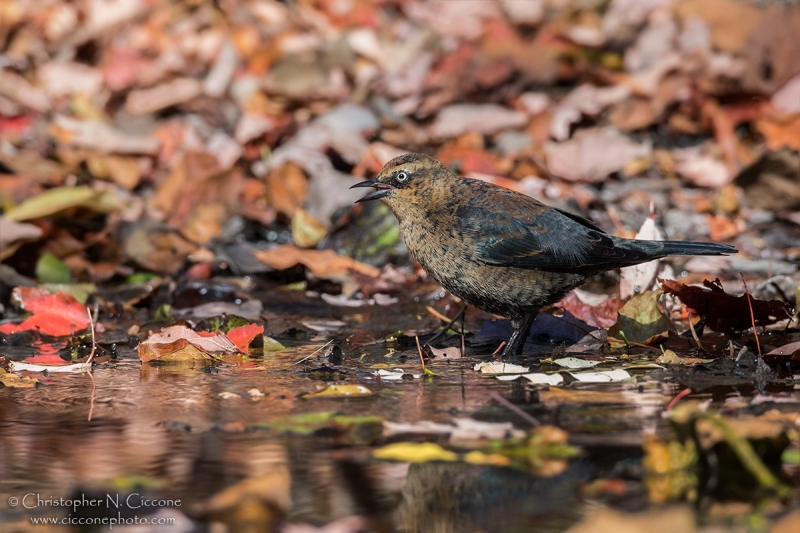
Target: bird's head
<point>406,181</point>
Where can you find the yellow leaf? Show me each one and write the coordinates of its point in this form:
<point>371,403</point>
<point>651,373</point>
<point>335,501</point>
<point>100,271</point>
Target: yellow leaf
<point>415,452</point>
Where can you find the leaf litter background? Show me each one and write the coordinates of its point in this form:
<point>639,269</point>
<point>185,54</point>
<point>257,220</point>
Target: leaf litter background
<point>182,170</point>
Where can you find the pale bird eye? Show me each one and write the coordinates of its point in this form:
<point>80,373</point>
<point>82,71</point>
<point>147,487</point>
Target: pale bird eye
<point>402,176</point>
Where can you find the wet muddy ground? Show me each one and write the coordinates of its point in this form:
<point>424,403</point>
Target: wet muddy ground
<point>245,445</point>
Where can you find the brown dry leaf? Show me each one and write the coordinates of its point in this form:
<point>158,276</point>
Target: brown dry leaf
<point>725,312</point>
<point>732,23</point>
<point>154,246</point>
<point>445,354</point>
<point>459,119</point>
<point>126,171</point>
<point>701,169</point>
<point>633,114</point>
<point>584,100</point>
<point>322,263</point>
<point>179,91</point>
<point>307,231</point>
<point>787,352</point>
<point>592,154</point>
<point>13,381</point>
<point>780,132</point>
<point>101,137</point>
<point>179,344</point>
<point>62,79</point>
<point>771,52</point>
<point>287,188</point>
<point>723,228</point>
<point>205,222</point>
<point>17,88</point>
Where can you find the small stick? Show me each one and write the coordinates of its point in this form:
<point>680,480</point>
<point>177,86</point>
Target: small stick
<point>89,362</point>
<point>752,316</point>
<point>499,348</point>
<point>421,359</point>
<point>309,356</point>
<point>678,397</point>
<point>514,409</point>
<point>437,314</point>
<point>443,318</point>
<point>691,328</point>
<point>463,346</point>
<point>94,341</point>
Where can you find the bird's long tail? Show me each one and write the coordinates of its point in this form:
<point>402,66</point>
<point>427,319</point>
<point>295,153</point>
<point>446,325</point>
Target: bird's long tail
<point>638,251</point>
<point>695,248</point>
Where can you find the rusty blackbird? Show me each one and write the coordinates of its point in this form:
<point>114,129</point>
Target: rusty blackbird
<point>499,250</point>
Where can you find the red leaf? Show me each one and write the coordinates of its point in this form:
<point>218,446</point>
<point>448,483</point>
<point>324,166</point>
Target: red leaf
<point>724,312</point>
<point>244,335</point>
<point>57,314</point>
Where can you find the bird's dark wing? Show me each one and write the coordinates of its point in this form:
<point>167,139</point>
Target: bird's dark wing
<point>528,234</point>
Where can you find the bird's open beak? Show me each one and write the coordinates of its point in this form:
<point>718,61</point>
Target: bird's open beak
<point>383,190</point>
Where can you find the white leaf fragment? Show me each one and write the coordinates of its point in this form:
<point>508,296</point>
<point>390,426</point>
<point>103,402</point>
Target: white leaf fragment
<point>500,368</point>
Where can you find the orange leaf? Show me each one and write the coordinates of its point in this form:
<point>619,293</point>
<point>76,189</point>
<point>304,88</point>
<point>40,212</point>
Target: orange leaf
<point>322,263</point>
<point>244,335</point>
<point>57,314</point>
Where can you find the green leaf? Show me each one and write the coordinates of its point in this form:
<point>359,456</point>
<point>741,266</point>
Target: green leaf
<point>51,269</point>
<point>640,319</point>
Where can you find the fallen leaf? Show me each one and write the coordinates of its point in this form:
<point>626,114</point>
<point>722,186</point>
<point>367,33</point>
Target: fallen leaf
<point>414,452</point>
<point>606,376</point>
<point>13,381</point>
<point>702,169</point>
<point>592,154</point>
<point>575,363</point>
<point>58,199</point>
<point>456,120</point>
<point>178,91</point>
<point>445,354</point>
<point>18,366</point>
<point>57,314</point>
<point>602,315</point>
<point>322,263</point>
<point>341,391</point>
<point>500,368</point>
<point>642,277</point>
<point>640,319</point>
<point>242,336</point>
<point>101,137</point>
<point>14,232</point>
<point>724,312</point>
<point>780,132</point>
<point>179,344</point>
<point>537,378</point>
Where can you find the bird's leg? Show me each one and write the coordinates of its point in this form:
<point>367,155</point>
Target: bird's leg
<point>521,328</point>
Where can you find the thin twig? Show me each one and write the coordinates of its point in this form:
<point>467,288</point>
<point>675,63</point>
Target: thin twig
<point>463,345</point>
<point>691,328</point>
<point>678,397</point>
<point>89,362</point>
<point>514,409</point>
<point>499,348</point>
<point>94,341</point>
<point>309,356</point>
<point>419,350</point>
<point>752,316</point>
<point>443,318</point>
